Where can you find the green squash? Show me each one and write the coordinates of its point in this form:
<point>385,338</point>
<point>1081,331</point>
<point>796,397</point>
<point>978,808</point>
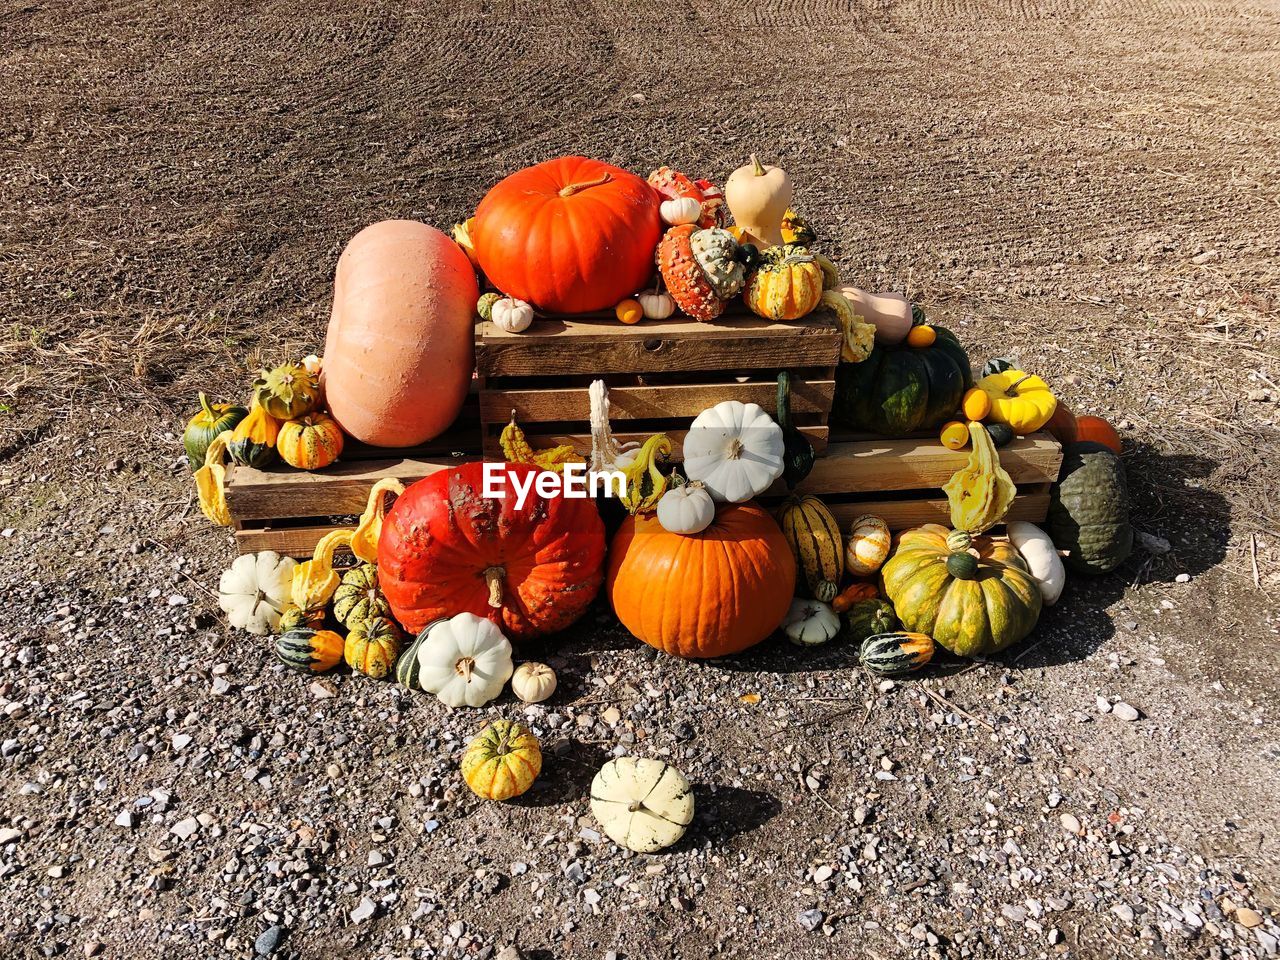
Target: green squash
<point>896,653</point>
<point>866,618</point>
<point>1089,510</point>
<point>1001,434</point>
<point>900,389</point>
<point>408,670</point>
<point>359,598</point>
<point>211,420</point>
<point>972,616</point>
<point>305,648</point>
<point>797,451</point>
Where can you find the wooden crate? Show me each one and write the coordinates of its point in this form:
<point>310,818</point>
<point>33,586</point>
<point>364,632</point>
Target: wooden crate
<point>660,374</point>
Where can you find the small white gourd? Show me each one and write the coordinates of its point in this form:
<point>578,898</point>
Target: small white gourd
<point>511,315</point>
<point>686,509</point>
<point>464,660</point>
<point>1042,558</point>
<point>810,623</point>
<point>533,682</point>
<point>642,804</point>
<point>254,591</point>
<point>867,546</point>
<point>680,210</point>
<point>735,449</point>
<point>656,305</point>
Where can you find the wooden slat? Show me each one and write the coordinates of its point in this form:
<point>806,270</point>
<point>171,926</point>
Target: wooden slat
<point>870,466</point>
<point>286,541</point>
<point>582,441</point>
<point>572,346</point>
<point>282,492</point>
<point>648,402</point>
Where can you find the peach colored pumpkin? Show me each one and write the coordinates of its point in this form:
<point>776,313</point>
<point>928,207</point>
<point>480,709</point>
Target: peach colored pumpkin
<point>398,355</point>
<point>889,312</point>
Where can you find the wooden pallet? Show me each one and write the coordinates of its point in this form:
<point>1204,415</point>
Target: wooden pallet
<point>287,510</point>
<point>660,374</point>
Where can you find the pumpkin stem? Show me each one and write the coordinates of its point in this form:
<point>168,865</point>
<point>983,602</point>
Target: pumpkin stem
<point>1014,386</point>
<point>757,167</point>
<point>784,400</point>
<point>634,805</point>
<point>570,189</point>
<point>204,405</point>
<point>494,576</point>
<point>735,449</point>
<point>465,667</point>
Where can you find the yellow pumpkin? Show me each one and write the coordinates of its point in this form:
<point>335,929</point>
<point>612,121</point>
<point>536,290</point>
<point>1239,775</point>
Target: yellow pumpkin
<point>311,442</point>
<point>787,285</point>
<point>502,762</point>
<point>868,545</point>
<point>1021,400</point>
<point>372,647</point>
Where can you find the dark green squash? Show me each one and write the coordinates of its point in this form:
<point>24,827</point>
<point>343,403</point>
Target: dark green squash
<point>866,618</point>
<point>408,670</point>
<point>1001,433</point>
<point>305,648</point>
<point>797,451</point>
<point>1089,510</point>
<point>210,420</point>
<point>900,389</point>
<point>893,654</point>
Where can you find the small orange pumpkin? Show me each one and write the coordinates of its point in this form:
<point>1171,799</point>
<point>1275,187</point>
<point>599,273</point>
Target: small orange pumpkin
<point>976,404</point>
<point>312,442</point>
<point>1099,431</point>
<point>858,590</point>
<point>1062,425</point>
<point>954,435</point>
<point>921,336</point>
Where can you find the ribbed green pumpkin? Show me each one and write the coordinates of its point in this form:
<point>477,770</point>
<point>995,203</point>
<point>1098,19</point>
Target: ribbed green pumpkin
<point>1089,510</point>
<point>900,389</point>
<point>893,654</point>
<point>866,618</point>
<point>359,598</point>
<point>211,420</point>
<point>305,648</point>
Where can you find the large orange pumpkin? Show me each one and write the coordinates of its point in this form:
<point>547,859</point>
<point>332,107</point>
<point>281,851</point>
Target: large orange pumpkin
<point>1099,431</point>
<point>446,549</point>
<point>708,594</point>
<point>569,236</point>
<point>398,356</point>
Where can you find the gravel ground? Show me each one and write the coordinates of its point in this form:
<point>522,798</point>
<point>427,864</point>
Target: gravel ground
<point>1091,186</point>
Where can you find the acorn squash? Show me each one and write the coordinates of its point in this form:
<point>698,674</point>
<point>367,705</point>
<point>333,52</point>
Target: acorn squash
<point>867,618</point>
<point>1089,510</point>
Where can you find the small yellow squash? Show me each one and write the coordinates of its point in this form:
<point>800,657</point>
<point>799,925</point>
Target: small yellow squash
<point>312,442</point>
<point>372,647</point>
<point>502,762</point>
<point>787,285</point>
<point>1022,400</point>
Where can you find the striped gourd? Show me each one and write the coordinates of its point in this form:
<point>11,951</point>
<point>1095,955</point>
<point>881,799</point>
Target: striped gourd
<point>358,598</point>
<point>407,667</point>
<point>253,441</point>
<point>893,654</point>
<point>294,617</point>
<point>814,538</point>
<point>305,648</point>
<point>312,442</point>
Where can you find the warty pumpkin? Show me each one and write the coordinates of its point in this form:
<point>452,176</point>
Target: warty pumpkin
<point>700,269</point>
<point>502,761</point>
<point>445,548</point>
<point>310,443</point>
<point>814,538</point>
<point>209,421</point>
<point>674,185</point>
<point>570,235</point>
<point>709,594</point>
<point>288,391</point>
<point>398,354</point>
<point>1089,509</point>
<point>993,604</point>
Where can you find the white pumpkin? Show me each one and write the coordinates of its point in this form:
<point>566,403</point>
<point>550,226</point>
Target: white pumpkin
<point>254,591</point>
<point>868,545</point>
<point>533,682</point>
<point>686,509</point>
<point>680,210</point>
<point>643,805</point>
<point>465,660</point>
<point>735,449</point>
<point>656,305</point>
<point>1042,558</point>
<point>511,316</point>
<point>810,623</point>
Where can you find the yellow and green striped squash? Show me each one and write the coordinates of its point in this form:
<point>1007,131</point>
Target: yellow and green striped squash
<point>373,646</point>
<point>306,648</point>
<point>359,598</point>
<point>311,442</point>
<point>787,284</point>
<point>814,538</point>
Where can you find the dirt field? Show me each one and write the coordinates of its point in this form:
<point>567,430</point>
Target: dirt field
<point>1091,187</point>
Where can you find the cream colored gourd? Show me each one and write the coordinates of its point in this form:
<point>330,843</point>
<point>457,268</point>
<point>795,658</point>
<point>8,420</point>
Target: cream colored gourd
<point>810,623</point>
<point>758,197</point>
<point>1042,558</point>
<point>889,313</point>
<point>656,305</point>
<point>511,316</point>
<point>686,509</point>
<point>533,682</point>
<point>735,449</point>
<point>644,805</point>
<point>254,591</point>
<point>868,545</point>
<point>464,660</point>
<point>680,210</point>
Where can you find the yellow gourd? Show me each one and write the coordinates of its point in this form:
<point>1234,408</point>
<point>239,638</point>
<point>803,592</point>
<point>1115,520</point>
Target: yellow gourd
<point>314,580</point>
<point>645,482</point>
<point>210,481</point>
<point>976,404</point>
<point>787,285</point>
<point>517,450</point>
<point>954,435</point>
<point>364,539</point>
<point>1021,400</point>
<point>980,492</point>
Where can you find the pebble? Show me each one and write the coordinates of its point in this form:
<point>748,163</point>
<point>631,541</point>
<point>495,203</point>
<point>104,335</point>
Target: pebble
<point>1011,911</point>
<point>1070,823</point>
<point>268,940</point>
<point>125,819</point>
<point>1248,918</point>
<point>9,835</point>
<point>181,741</point>
<point>1104,705</point>
<point>1126,711</point>
<point>811,920</point>
<point>822,874</point>
<point>323,690</point>
<point>185,829</point>
<point>364,910</point>
<point>1124,912</point>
